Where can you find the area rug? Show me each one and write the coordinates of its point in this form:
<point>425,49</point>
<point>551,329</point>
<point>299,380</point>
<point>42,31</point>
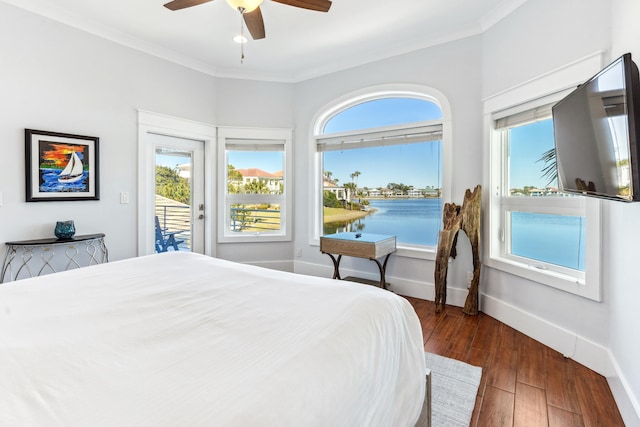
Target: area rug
<point>454,386</point>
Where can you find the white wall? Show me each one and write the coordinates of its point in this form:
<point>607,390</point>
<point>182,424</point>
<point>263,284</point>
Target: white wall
<point>531,42</point>
<point>624,235</point>
<point>527,44</point>
<point>246,103</point>
<point>57,78</point>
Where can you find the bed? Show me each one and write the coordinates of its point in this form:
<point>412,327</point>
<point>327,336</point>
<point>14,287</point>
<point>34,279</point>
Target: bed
<point>180,339</point>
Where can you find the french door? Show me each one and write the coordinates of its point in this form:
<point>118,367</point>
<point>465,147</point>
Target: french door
<point>176,191</point>
<point>179,194</point>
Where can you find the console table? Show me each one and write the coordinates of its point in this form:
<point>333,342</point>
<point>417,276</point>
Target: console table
<point>360,245</point>
<point>30,258</point>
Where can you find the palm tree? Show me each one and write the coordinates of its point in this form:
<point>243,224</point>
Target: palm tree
<point>256,187</point>
<point>550,169</point>
<point>355,175</point>
<point>351,188</point>
<point>328,175</point>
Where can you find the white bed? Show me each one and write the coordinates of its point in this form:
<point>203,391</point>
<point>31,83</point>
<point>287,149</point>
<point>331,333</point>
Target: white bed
<point>180,339</point>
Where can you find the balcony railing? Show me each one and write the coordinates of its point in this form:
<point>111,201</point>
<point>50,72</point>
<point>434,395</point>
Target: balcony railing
<point>254,220</point>
<point>174,218</point>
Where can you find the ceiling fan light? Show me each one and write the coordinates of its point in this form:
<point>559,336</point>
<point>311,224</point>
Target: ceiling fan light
<point>246,5</point>
<point>240,39</point>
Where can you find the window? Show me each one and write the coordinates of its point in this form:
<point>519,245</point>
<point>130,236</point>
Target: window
<point>254,175</point>
<point>537,231</point>
<point>380,165</point>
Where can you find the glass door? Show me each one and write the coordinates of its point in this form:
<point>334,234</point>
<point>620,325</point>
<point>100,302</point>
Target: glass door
<point>179,194</point>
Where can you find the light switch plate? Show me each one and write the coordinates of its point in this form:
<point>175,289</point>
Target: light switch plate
<point>124,197</point>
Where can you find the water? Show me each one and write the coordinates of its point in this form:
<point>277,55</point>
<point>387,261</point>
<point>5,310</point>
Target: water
<point>412,221</point>
<point>554,239</point>
<point>49,182</point>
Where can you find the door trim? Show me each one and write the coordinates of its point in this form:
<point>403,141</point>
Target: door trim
<point>162,124</point>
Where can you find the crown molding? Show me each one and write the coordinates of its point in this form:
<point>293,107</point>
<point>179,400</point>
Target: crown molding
<point>44,8</point>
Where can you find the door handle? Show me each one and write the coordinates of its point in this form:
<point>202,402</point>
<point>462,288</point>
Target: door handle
<point>201,216</point>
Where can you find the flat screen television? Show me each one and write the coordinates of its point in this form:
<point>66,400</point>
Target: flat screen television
<point>596,134</point>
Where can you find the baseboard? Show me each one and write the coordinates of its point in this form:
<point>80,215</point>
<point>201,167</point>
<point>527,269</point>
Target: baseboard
<point>411,288</point>
<point>580,349</point>
<point>628,404</point>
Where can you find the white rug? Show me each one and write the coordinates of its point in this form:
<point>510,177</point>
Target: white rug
<point>454,386</point>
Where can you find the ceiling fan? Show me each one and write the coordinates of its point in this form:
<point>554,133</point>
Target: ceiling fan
<point>250,10</point>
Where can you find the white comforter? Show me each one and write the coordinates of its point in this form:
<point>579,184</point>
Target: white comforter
<point>180,339</point>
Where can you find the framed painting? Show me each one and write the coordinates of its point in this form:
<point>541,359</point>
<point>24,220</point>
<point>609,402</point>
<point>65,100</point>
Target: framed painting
<point>61,167</point>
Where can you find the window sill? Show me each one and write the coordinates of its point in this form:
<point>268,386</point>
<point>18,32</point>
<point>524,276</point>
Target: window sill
<point>567,283</point>
<point>419,252</point>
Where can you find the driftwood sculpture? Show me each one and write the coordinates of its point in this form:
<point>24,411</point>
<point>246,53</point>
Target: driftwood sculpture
<point>454,219</point>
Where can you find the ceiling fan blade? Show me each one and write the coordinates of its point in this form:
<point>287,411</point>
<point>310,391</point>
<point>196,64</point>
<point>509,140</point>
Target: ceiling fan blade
<point>183,4</point>
<point>255,24</point>
<point>319,5</point>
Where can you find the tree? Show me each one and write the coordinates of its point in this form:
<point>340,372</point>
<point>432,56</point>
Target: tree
<point>351,189</point>
<point>256,187</point>
<point>404,189</point>
<point>234,180</point>
<point>355,175</point>
<point>550,169</point>
<point>171,185</point>
<point>328,175</point>
<point>233,174</point>
<point>330,200</point>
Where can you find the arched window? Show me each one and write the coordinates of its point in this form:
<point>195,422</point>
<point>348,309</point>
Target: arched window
<point>383,112</point>
<point>381,164</point>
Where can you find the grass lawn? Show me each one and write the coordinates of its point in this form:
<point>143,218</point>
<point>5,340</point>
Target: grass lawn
<point>270,220</point>
<point>340,214</point>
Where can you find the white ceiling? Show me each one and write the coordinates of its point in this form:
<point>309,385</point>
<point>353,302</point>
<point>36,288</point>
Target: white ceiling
<point>300,44</point>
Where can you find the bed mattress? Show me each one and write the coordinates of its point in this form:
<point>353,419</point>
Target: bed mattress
<point>180,339</point>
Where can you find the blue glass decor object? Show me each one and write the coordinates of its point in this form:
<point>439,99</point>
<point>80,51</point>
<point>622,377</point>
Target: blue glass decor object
<point>65,229</point>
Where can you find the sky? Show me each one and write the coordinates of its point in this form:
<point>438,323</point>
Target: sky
<point>383,112</point>
<point>527,144</point>
<point>406,164</point>
<point>172,161</point>
<point>410,164</point>
<point>268,161</point>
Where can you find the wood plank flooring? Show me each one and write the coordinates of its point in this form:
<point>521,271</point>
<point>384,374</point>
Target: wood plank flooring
<point>524,383</point>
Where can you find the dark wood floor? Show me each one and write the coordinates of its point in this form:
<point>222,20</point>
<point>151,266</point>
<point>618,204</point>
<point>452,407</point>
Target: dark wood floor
<point>524,383</point>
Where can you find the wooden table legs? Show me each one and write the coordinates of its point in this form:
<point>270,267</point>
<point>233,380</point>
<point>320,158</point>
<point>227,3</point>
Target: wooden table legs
<point>382,267</point>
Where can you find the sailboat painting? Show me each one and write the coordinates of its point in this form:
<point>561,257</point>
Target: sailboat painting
<point>61,166</point>
<point>73,172</point>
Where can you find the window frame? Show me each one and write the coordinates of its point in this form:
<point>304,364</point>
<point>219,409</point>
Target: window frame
<point>258,136</point>
<point>518,101</point>
<point>370,94</point>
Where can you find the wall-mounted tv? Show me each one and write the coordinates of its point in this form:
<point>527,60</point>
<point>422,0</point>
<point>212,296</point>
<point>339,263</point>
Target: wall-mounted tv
<point>596,134</point>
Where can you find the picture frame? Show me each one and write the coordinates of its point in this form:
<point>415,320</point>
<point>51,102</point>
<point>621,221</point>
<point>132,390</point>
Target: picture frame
<point>61,167</point>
